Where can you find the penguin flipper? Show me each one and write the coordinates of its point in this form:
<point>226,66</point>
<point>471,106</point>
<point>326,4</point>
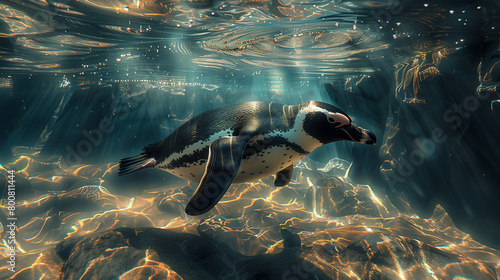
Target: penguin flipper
<point>224,160</point>
<point>132,164</point>
<point>284,176</point>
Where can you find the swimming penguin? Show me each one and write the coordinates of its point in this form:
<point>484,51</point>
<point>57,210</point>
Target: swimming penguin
<point>245,142</point>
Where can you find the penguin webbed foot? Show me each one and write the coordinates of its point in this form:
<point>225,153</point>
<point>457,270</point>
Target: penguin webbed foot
<point>284,177</point>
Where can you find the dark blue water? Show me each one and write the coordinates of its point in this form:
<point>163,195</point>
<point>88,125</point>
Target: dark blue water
<point>86,83</point>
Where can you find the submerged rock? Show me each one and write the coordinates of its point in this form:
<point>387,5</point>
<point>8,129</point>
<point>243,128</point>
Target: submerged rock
<point>116,253</point>
<point>318,227</point>
<point>125,249</point>
<point>144,252</point>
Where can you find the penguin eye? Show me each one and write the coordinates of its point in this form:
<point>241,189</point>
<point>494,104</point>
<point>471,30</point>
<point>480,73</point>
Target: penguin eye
<point>330,119</point>
<point>338,119</point>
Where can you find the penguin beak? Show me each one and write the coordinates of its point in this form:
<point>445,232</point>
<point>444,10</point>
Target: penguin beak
<point>359,134</point>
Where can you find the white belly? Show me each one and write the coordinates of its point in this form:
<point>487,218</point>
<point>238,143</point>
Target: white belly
<point>266,163</point>
<point>258,166</point>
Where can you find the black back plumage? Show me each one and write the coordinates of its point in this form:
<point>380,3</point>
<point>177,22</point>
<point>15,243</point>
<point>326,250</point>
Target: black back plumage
<point>271,117</point>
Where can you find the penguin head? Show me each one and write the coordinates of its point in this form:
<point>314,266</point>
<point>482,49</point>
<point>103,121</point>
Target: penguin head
<point>328,124</point>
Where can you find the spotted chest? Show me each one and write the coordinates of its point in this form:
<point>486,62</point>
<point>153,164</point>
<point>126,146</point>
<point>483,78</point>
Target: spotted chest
<point>268,161</point>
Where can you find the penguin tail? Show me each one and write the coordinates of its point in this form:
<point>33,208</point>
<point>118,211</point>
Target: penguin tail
<point>132,164</point>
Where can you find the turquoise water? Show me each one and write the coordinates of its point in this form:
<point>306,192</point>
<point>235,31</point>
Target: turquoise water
<point>86,83</point>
